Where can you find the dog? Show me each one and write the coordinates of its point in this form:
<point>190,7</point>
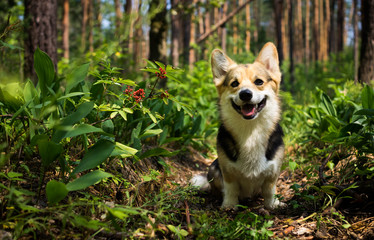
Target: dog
<point>249,143</point>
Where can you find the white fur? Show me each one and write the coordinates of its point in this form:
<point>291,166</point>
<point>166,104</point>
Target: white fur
<point>200,182</point>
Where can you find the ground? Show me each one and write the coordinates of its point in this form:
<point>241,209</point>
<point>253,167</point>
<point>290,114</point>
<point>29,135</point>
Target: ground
<point>293,223</point>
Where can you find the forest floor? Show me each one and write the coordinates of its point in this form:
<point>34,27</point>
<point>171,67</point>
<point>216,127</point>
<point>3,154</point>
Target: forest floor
<point>308,222</point>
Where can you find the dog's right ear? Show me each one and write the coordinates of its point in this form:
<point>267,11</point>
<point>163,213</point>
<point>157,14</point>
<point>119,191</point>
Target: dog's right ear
<point>220,65</point>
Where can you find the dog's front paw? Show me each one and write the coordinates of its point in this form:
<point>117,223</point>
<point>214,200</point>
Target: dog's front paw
<point>275,204</point>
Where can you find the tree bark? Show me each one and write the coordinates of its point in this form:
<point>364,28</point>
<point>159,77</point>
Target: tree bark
<point>355,39</point>
<point>340,26</point>
<point>248,28</point>
<point>175,32</point>
<point>192,57</point>
<point>118,12</point>
<point>90,25</point>
<point>225,8</point>
<point>366,70</point>
<point>41,28</point>
<point>65,29</point>
<point>332,34</point>
<point>157,33</point>
<point>316,26</point>
<point>307,32</point>
<point>84,24</point>
<point>235,29</point>
<point>278,12</point>
<point>291,39</point>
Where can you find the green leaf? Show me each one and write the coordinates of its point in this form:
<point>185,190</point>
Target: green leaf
<point>82,111</point>
<point>29,91</point>
<point>45,71</point>
<point>82,129</point>
<point>76,76</point>
<point>365,112</point>
<point>327,106</point>
<point>151,133</point>
<point>69,95</point>
<point>108,126</point>
<point>49,151</point>
<point>123,150</point>
<point>87,180</point>
<point>96,155</point>
<point>367,96</point>
<point>56,191</point>
<point>157,152</point>
<point>10,45</point>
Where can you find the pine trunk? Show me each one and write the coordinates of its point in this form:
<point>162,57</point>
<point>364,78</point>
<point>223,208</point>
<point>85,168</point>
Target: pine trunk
<point>366,70</point>
<point>307,32</point>
<point>41,22</point>
<point>118,12</point>
<point>175,32</point>
<point>248,28</point>
<point>91,26</point>
<point>316,26</point>
<point>84,24</point>
<point>235,29</point>
<point>278,12</point>
<point>65,30</point>
<point>340,26</point>
<point>355,39</point>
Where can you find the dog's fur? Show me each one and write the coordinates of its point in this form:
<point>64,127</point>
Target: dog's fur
<point>249,142</point>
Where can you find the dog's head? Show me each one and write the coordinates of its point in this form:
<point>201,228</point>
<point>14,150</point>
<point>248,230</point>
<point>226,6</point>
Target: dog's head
<point>247,86</point>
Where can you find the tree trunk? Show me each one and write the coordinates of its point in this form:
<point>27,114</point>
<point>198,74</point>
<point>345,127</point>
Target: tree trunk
<point>291,39</point>
<point>298,32</point>
<point>224,29</point>
<point>65,30</point>
<point>332,34</point>
<point>316,26</point>
<point>366,70</point>
<point>90,25</point>
<point>41,28</point>
<point>235,29</point>
<point>307,32</point>
<point>284,28</point>
<point>340,26</point>
<point>128,43</point>
<point>118,12</point>
<point>186,23</point>
<point>248,28</point>
<point>355,39</point>
<point>157,33</point>
<point>175,32</point>
<point>84,24</point>
<point>193,28</point>
<point>278,10</point>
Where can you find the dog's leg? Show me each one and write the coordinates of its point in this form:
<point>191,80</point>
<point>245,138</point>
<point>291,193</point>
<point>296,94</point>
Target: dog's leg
<point>268,192</point>
<point>231,192</point>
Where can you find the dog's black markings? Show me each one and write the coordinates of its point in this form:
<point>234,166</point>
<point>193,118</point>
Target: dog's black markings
<point>275,141</point>
<point>227,143</point>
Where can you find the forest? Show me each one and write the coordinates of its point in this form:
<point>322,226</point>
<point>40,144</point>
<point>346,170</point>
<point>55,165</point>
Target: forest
<point>108,108</point>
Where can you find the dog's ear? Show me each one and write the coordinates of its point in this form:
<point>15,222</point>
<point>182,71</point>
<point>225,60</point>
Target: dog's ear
<point>220,65</point>
<point>268,56</point>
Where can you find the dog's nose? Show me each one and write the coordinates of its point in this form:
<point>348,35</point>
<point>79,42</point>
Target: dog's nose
<point>245,95</point>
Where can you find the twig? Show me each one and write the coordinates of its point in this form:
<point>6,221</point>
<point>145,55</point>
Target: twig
<point>188,217</point>
<point>322,169</point>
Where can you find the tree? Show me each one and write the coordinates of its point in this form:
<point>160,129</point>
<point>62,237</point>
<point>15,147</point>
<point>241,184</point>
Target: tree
<point>65,29</point>
<point>84,24</point>
<point>366,69</point>
<point>340,26</point>
<point>41,28</point>
<point>118,12</point>
<point>175,32</point>
<point>278,10</point>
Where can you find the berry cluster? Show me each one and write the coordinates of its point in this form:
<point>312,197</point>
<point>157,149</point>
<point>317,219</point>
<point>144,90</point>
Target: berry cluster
<point>161,74</point>
<point>137,95</point>
<point>164,94</point>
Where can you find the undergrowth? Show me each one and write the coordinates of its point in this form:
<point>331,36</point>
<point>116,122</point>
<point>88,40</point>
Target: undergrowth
<point>91,153</point>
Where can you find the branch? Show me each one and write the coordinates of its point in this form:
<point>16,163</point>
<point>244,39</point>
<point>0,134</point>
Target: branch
<point>222,21</point>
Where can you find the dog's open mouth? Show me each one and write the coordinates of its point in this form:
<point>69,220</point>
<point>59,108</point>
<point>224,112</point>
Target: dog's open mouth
<point>249,111</point>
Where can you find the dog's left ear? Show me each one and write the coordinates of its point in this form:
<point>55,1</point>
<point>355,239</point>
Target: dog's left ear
<point>268,56</point>
<point>220,65</point>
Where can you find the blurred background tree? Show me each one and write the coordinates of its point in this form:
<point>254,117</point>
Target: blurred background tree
<point>183,32</point>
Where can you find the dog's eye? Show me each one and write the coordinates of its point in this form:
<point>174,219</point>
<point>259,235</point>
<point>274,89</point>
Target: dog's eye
<point>259,82</point>
<point>234,83</point>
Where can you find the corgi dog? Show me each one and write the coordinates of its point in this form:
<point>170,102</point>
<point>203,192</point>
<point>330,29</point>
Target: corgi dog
<point>249,143</point>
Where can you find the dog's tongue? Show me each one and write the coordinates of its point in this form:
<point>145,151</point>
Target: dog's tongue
<point>248,110</point>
